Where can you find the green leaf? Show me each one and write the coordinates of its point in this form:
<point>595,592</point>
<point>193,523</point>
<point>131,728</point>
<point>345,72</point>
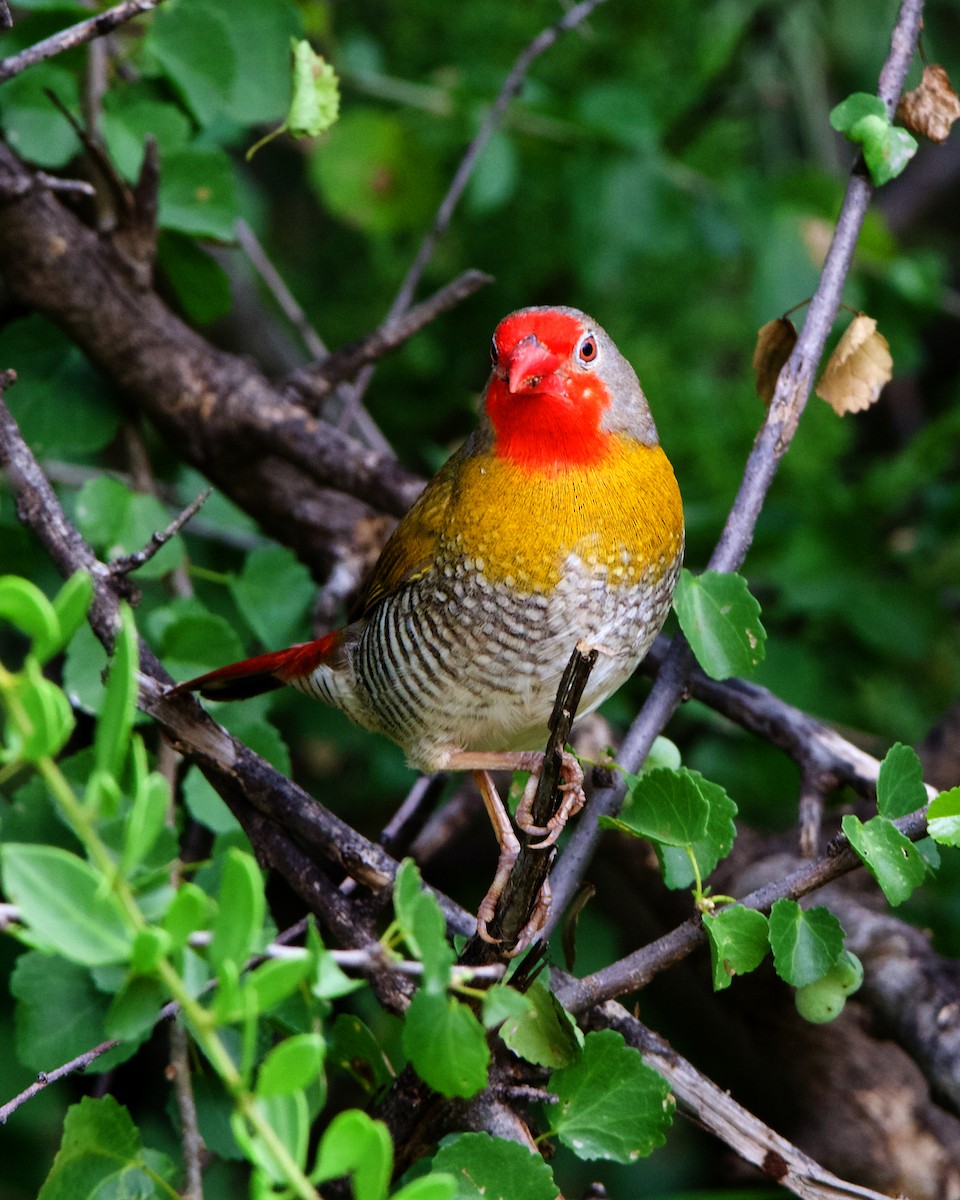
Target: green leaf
<point>887,156</point>
<point>900,787</point>
<point>196,642</point>
<point>667,806</point>
<point>851,111</point>
<point>805,942</point>
<point>201,285</point>
<point>372,172</point>
<point>83,670</point>
<point>135,1009</point>
<point>738,942</point>
<point>193,46</point>
<point>49,370</point>
<point>289,1118</point>
<point>204,805</point>
<point>149,946</point>
<point>25,606</point>
<point>893,860</point>
<point>59,1013</point>
<point>610,1104</point>
<point>316,93</point>
<point>423,927</point>
<point>490,1168</point>
<point>329,981</point>
<point>71,605</point>
<point>198,194</point>
<point>127,122</point>
<point>428,1187</point>
<point>266,987</point>
<point>238,925</point>
<point>355,1145</point>
<point>544,1034</point>
<point>446,1044</point>
<point>33,126</point>
<point>502,1002</point>
<point>715,843</point>
<point>721,621</point>
<point>295,1063</point>
<point>887,149</point>
<point>145,820</point>
<point>943,818</point>
<point>65,904</point>
<point>48,712</point>
<point>101,1154</point>
<point>260,37</point>
<point>354,1048</point>
<point>274,592</point>
<point>112,740</point>
<point>189,910</point>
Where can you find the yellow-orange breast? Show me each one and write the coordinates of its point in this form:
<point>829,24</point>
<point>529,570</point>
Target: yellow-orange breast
<point>488,585</point>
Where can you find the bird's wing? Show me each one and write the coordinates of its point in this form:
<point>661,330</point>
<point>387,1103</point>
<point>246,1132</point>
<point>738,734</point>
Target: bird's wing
<point>412,548</point>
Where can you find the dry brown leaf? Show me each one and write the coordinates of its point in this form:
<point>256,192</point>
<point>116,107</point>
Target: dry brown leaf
<point>932,107</point>
<point>858,368</point>
<point>774,343</point>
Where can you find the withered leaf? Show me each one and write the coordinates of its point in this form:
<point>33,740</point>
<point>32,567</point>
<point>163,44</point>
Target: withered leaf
<point>932,107</point>
<point>857,369</point>
<point>774,342</point>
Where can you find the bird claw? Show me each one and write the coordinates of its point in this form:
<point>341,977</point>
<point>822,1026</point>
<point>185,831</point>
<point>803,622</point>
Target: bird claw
<point>574,799</point>
<point>528,934</point>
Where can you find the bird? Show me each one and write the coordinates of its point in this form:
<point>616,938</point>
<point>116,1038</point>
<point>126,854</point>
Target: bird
<point>558,523</point>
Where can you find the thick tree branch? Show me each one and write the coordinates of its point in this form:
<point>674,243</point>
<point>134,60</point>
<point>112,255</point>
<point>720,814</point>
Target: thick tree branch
<point>225,418</point>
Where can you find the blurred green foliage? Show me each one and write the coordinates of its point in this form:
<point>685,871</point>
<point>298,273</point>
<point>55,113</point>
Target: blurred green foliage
<point>669,168</point>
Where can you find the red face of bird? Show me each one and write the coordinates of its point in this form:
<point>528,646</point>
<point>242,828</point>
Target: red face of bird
<point>560,389</point>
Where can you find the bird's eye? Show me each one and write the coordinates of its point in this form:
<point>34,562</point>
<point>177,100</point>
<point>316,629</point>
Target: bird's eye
<point>587,349</point>
<point>494,352</point>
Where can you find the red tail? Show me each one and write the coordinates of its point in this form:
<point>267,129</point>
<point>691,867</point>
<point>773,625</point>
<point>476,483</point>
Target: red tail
<point>240,680</point>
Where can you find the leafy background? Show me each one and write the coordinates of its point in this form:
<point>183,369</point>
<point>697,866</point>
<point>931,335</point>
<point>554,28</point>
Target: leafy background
<point>669,168</point>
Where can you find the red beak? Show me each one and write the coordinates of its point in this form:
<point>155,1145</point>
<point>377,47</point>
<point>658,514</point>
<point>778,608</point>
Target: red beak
<point>531,367</point>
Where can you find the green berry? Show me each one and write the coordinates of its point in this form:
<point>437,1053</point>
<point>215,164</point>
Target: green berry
<point>846,973</point>
<point>819,1002</point>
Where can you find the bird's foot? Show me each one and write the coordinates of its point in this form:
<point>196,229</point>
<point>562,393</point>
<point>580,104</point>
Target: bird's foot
<point>488,908</point>
<point>571,774</point>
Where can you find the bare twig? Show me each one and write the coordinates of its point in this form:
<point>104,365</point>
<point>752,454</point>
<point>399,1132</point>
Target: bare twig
<point>80,1063</point>
<point>6,17</point>
<point>525,886</point>
<point>508,90</point>
<point>314,383</point>
<point>275,283</point>
<point>133,562</point>
<point>773,440</point>
<point>75,35</point>
<point>190,1137</point>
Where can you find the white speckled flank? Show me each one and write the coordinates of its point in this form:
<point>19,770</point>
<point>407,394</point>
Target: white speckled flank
<point>456,662</point>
